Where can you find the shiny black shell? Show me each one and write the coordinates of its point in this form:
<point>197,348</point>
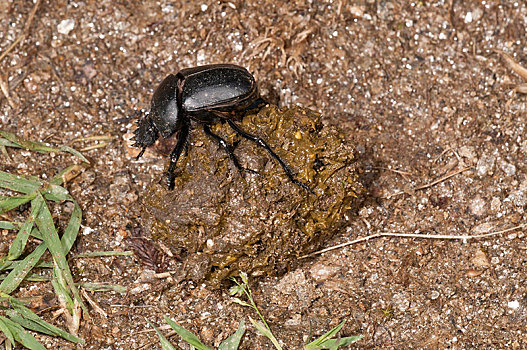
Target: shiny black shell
<point>219,87</point>
<point>201,93</point>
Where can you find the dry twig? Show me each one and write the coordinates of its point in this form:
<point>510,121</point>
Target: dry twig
<point>24,33</point>
<point>413,235</point>
<point>433,183</point>
<point>516,67</point>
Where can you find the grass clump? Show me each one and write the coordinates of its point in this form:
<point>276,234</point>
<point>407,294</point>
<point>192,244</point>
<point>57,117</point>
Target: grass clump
<point>242,290</point>
<point>16,320</point>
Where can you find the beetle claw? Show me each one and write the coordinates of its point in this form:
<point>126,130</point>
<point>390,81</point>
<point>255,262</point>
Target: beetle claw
<point>140,153</point>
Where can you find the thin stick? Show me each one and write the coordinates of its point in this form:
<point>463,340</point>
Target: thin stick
<point>446,177</point>
<point>435,182</point>
<point>89,148</point>
<point>4,86</point>
<point>24,31</point>
<point>93,138</point>
<point>93,304</point>
<point>412,235</point>
<point>400,172</point>
<point>516,67</point>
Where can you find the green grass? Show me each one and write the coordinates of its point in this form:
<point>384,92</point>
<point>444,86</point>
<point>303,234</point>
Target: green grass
<point>242,290</point>
<point>16,320</point>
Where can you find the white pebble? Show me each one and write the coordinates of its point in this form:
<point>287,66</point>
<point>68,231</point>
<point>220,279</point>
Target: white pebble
<point>66,26</point>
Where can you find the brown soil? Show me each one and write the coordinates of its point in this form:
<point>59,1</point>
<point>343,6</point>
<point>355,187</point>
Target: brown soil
<point>420,87</point>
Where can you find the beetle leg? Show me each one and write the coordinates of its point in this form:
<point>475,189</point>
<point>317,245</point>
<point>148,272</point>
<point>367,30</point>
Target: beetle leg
<point>264,145</point>
<point>228,148</point>
<point>258,103</point>
<point>176,152</point>
<point>141,153</point>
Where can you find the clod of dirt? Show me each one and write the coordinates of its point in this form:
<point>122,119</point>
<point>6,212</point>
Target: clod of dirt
<point>227,222</point>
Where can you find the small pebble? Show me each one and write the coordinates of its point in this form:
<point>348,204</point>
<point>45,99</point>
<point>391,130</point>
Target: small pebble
<point>513,304</point>
<point>480,259</point>
<point>485,165</point>
<point>478,206</point>
<point>66,26</point>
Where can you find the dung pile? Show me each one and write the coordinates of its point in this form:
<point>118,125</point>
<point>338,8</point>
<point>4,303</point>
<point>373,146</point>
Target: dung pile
<point>222,222</point>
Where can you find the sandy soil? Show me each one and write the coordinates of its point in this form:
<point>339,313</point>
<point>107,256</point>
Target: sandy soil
<point>421,88</point>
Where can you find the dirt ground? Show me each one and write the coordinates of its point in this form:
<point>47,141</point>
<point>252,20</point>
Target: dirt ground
<point>420,87</point>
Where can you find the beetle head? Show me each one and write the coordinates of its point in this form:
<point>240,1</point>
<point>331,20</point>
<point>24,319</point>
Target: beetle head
<point>146,134</point>
<point>164,109</point>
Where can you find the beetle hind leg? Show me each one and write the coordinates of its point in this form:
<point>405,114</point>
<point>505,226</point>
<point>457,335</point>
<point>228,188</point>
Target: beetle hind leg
<point>275,156</point>
<point>256,104</point>
<point>229,149</point>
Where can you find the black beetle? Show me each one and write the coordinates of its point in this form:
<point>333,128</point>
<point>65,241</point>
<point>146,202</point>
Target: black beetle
<point>207,95</point>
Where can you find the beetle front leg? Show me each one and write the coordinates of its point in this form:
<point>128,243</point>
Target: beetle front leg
<point>264,145</point>
<point>176,152</point>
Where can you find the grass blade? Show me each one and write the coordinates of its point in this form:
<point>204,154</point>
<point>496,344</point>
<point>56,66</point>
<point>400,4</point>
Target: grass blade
<point>56,193</point>
<point>72,230</point>
<point>8,225</point>
<point>9,265</point>
<point>67,174</point>
<point>336,343</point>
<point>165,344</point>
<point>325,341</point>
<point>103,287</point>
<point>104,253</point>
<point>15,141</point>
<point>61,290</point>
<point>266,332</point>
<point>27,324</point>
<point>72,310</point>
<point>187,336</point>
<point>19,243</point>
<point>19,183</point>
<point>328,335</point>
<point>29,315</point>
<point>73,152</point>
<point>29,145</point>
<point>4,264</point>
<point>6,331</point>
<point>50,236</point>
<point>233,342</point>
<point>6,143</point>
<point>22,336</point>
<point>10,203</point>
<point>32,277</point>
<point>17,275</point>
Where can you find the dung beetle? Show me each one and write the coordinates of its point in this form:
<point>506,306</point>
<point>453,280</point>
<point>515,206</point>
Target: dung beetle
<point>206,95</point>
